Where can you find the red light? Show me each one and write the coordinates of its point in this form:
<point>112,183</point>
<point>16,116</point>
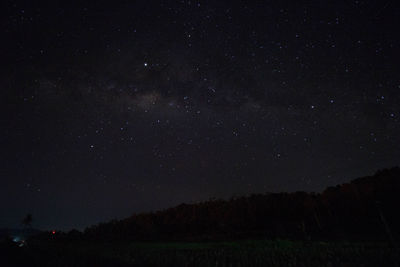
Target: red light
<point>53,232</point>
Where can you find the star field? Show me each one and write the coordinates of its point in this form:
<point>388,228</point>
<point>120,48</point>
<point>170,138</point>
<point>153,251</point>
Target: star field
<point>115,108</point>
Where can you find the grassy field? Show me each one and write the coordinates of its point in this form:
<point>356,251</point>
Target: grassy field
<point>241,253</point>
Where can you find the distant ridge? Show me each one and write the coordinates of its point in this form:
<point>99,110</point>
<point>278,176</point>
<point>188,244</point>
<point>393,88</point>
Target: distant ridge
<point>363,209</point>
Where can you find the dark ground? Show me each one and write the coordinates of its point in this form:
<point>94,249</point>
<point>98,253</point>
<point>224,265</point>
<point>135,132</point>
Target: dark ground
<point>240,253</point>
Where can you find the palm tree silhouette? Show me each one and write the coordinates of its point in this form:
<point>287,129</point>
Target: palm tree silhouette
<point>27,221</point>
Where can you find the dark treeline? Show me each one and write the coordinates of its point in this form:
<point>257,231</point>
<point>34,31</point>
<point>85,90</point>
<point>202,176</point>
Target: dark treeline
<point>364,209</point>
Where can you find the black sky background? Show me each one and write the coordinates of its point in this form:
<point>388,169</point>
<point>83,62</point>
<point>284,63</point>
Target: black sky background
<point>111,108</point>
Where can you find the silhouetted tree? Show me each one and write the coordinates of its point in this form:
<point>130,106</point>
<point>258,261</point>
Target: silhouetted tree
<point>27,221</point>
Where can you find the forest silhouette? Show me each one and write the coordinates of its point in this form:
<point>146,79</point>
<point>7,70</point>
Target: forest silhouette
<point>363,209</point>
<point>353,224</point>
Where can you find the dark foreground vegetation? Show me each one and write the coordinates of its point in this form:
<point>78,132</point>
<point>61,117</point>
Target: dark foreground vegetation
<point>174,254</point>
<point>354,224</point>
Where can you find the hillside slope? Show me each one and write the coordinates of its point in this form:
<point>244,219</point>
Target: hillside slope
<point>364,209</point>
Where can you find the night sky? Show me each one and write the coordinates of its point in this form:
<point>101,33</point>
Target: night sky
<point>113,108</point>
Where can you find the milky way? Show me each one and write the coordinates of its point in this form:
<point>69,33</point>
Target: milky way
<point>128,107</point>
